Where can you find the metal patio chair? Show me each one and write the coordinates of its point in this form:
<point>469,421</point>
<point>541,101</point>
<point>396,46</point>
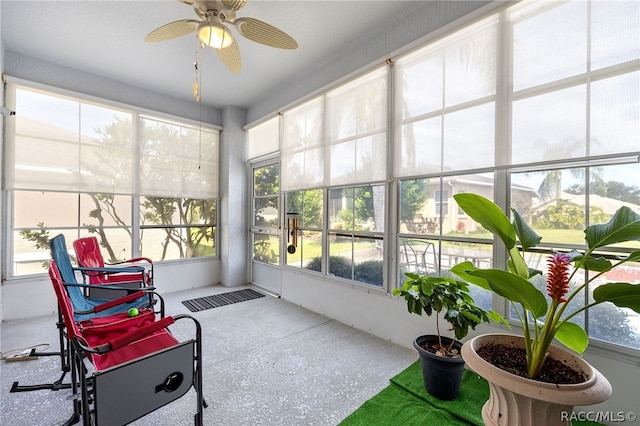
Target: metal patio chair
<point>89,255</point>
<point>137,367</point>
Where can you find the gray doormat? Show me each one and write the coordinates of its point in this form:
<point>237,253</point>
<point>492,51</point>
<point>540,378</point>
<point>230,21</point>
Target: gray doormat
<point>210,302</point>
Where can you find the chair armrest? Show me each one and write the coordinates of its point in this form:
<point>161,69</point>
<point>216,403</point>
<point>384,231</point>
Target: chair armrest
<point>133,295</point>
<point>102,271</point>
<point>134,260</point>
<point>112,287</point>
<point>119,301</point>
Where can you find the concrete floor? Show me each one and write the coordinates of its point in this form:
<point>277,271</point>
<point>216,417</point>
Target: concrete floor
<point>266,362</point>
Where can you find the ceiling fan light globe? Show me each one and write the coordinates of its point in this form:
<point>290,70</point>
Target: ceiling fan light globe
<point>214,35</point>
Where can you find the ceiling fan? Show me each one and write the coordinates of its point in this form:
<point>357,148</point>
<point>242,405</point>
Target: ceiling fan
<point>213,30</point>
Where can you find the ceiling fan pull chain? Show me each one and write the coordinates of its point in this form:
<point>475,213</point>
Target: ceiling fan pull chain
<point>197,91</point>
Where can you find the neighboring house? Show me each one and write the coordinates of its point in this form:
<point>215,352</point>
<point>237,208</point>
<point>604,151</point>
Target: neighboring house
<point>608,205</point>
<point>440,198</point>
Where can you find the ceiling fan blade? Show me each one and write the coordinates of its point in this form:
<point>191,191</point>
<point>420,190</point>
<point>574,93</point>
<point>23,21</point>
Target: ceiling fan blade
<point>266,34</point>
<point>172,30</point>
<point>230,57</point>
<point>234,5</point>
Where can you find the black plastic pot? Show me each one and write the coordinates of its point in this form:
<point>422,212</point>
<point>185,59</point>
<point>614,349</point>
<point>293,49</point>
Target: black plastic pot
<point>442,375</point>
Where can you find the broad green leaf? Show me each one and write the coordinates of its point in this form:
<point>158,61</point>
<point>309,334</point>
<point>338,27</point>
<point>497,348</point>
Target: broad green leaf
<point>427,287</point>
<point>472,317</point>
<point>593,263</point>
<point>572,336</point>
<point>623,295</point>
<point>623,226</point>
<point>498,319</point>
<point>517,261</point>
<point>414,307</point>
<point>489,215</point>
<point>527,236</point>
<point>532,272</point>
<point>634,256</point>
<point>462,270</point>
<point>515,288</point>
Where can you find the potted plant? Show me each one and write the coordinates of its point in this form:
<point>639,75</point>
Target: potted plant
<point>440,358</point>
<point>528,400</point>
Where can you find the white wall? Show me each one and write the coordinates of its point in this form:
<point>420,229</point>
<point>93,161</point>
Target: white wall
<point>63,77</point>
<point>233,217</point>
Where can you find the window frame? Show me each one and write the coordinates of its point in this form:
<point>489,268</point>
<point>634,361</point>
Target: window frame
<point>14,84</point>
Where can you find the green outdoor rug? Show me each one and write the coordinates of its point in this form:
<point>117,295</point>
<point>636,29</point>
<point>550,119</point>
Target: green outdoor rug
<point>405,402</point>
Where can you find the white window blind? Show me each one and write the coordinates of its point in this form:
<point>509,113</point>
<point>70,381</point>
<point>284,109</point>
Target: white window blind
<point>177,159</point>
<point>61,143</point>
<point>445,104</point>
<point>58,143</point>
<point>263,139</point>
<point>303,151</point>
<point>576,86</point>
<point>357,122</point>
<point>339,137</point>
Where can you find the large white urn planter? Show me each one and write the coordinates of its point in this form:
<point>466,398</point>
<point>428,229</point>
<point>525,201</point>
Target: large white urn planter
<point>516,400</point>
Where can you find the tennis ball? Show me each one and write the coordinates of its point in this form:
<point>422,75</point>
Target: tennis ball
<point>133,312</point>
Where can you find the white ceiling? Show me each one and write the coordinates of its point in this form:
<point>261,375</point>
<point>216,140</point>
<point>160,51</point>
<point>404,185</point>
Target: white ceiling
<point>106,38</point>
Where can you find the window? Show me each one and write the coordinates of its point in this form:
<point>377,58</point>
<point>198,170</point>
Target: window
<point>441,202</point>
<point>576,89</point>
<point>263,139</point>
<point>540,100</point>
<point>338,138</point>
<point>79,167</point>
<point>432,244</point>
<point>338,141</point>
<point>41,215</point>
<point>177,228</point>
<point>266,214</point>
<point>356,233</point>
<point>566,202</point>
<point>445,104</point>
<point>306,206</point>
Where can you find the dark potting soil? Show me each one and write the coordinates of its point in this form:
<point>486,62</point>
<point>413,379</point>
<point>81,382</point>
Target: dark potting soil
<point>514,361</point>
<point>441,350</point>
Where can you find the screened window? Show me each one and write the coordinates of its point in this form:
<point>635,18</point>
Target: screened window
<point>572,96</point>
<point>543,104</point>
<point>356,233</point>
<point>177,228</point>
<point>306,207</point>
<point>357,121</point>
<point>263,139</point>
<point>302,147</point>
<point>79,168</point>
<point>266,214</point>
<point>339,137</point>
<point>566,202</point>
<point>445,104</point>
<point>431,243</point>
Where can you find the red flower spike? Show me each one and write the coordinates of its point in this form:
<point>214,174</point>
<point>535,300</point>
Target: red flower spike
<point>558,277</point>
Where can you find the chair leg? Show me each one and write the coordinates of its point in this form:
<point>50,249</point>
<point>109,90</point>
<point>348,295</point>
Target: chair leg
<point>64,365</point>
<point>75,417</point>
<point>198,421</point>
